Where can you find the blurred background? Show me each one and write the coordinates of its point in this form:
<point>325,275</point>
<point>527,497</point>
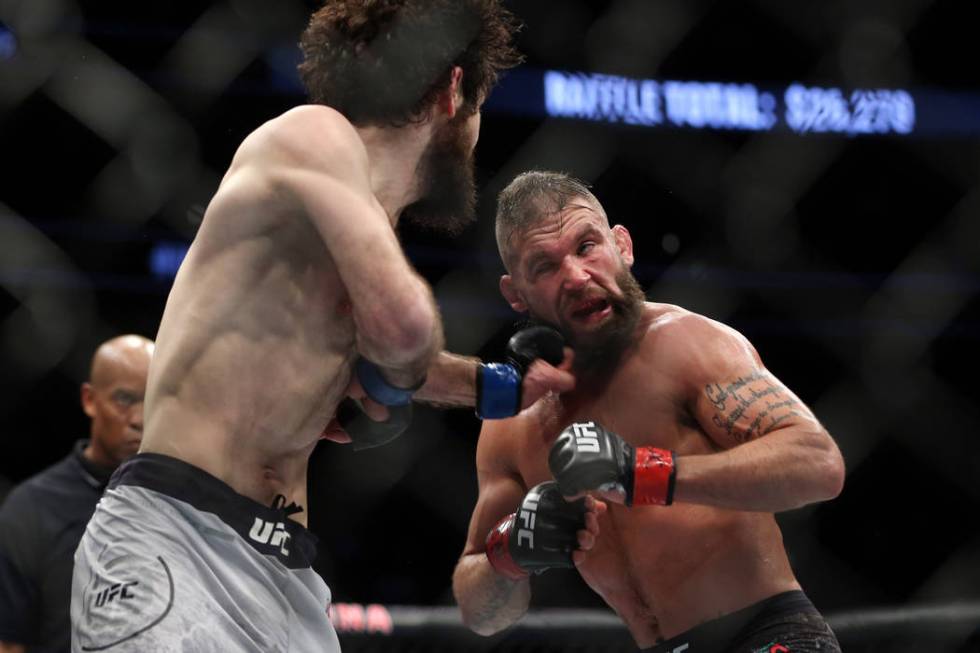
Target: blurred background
<point>807,172</point>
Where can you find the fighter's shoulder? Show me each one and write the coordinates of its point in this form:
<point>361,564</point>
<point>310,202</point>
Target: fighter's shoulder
<point>687,341</point>
<point>669,321</point>
<point>309,136</point>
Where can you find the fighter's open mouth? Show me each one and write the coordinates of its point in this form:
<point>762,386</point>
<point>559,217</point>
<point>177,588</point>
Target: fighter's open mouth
<point>591,307</point>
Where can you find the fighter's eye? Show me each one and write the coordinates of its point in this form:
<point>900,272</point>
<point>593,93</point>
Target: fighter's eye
<point>124,399</point>
<point>586,247</point>
<point>541,269</point>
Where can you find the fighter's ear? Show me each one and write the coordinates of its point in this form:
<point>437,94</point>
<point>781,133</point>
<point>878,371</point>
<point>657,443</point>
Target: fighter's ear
<point>511,294</point>
<point>88,399</point>
<point>624,243</point>
<point>451,99</point>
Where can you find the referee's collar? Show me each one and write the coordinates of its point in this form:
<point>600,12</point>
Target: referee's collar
<point>94,474</point>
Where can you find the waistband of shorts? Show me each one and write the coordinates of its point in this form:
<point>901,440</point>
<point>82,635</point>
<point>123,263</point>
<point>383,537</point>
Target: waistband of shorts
<point>266,529</point>
<point>719,634</point>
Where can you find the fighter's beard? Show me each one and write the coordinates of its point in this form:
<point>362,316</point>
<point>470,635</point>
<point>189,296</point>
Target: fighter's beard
<point>598,352</point>
<point>448,203</point>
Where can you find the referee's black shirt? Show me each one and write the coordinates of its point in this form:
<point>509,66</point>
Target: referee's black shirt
<point>41,523</point>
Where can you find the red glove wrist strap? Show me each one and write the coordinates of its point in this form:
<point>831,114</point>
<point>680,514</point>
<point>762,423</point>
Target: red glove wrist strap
<point>653,477</point>
<point>498,551</point>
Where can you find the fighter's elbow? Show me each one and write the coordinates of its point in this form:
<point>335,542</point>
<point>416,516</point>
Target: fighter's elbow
<point>831,472</point>
<point>421,332</point>
<point>835,477</point>
<point>484,629</point>
<point>483,622</point>
<point>472,620</point>
<point>407,337</point>
<point>418,336</point>
<point>482,610</point>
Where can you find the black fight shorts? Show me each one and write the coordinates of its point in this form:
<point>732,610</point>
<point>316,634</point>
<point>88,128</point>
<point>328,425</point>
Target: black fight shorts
<point>784,623</point>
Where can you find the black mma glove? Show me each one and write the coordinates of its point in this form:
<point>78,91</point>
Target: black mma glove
<point>587,457</point>
<point>541,535</point>
<point>498,385</point>
<point>365,432</point>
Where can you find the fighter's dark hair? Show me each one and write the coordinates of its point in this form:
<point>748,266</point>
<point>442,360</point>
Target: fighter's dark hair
<point>531,196</point>
<point>383,62</point>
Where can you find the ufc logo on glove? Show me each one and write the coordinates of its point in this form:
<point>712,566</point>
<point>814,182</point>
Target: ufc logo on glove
<point>526,515</point>
<point>586,438</point>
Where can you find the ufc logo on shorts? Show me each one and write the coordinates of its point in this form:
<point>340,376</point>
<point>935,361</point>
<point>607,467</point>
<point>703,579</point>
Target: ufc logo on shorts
<point>586,438</point>
<point>117,591</point>
<point>272,533</point>
<point>525,529</point>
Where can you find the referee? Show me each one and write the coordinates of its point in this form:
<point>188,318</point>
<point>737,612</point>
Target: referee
<point>43,518</point>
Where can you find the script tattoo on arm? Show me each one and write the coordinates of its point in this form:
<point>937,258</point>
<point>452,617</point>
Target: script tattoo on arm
<point>751,406</point>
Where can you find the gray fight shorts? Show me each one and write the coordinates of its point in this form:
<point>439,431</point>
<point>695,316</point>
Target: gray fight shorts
<point>175,560</point>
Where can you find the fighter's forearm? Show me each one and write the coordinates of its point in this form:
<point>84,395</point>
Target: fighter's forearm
<point>10,647</point>
<point>783,470</point>
<point>488,601</point>
<point>450,381</point>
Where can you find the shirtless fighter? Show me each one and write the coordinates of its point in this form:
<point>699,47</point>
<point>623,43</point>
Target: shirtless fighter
<point>683,440</point>
<point>294,281</point>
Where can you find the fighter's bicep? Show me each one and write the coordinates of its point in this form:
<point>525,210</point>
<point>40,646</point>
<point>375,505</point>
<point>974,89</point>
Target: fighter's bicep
<point>391,305</point>
<point>500,485</point>
<point>748,404</point>
<point>499,496</point>
<point>734,397</point>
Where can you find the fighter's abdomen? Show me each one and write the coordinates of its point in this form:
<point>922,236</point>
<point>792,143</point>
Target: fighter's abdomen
<point>667,569</point>
<point>253,354</point>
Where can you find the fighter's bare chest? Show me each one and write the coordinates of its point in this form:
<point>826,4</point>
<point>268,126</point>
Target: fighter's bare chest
<point>640,406</point>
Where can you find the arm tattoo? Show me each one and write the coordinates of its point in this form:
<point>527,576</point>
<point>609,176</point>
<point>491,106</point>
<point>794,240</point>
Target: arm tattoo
<point>758,391</point>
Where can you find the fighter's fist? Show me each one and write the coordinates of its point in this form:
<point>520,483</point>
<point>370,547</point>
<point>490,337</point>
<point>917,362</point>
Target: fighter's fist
<point>366,432</point>
<point>589,458</point>
<point>546,532</point>
<point>374,412</point>
<point>537,362</point>
<point>532,343</point>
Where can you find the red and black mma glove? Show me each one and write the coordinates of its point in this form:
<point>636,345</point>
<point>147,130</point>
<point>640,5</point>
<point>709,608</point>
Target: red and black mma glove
<point>541,535</point>
<point>588,457</point>
<point>498,385</point>
<point>365,432</point>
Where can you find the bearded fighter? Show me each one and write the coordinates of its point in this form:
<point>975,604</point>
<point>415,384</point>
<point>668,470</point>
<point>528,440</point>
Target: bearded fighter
<point>657,476</point>
<point>295,295</point>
